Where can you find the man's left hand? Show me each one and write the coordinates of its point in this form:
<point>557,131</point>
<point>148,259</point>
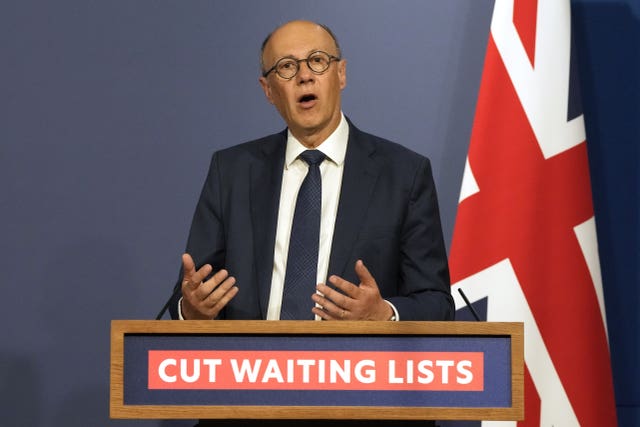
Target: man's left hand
<point>362,302</point>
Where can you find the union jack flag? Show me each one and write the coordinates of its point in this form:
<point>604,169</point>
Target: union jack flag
<point>524,245</point>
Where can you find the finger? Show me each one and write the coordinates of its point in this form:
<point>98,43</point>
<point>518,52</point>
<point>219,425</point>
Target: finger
<point>196,285</point>
<point>206,287</point>
<point>188,266</point>
<point>366,278</point>
<point>224,293</point>
<point>210,310</point>
<point>220,276</point>
<point>190,274</point>
<point>347,288</point>
<point>324,315</point>
<point>218,290</point>
<point>336,311</point>
<point>337,298</point>
<point>321,313</point>
<point>202,274</point>
<point>222,302</point>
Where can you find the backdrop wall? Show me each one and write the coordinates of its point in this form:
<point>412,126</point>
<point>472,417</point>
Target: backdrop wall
<point>110,110</point>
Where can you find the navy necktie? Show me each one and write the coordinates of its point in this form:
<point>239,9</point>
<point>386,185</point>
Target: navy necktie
<point>302,261</point>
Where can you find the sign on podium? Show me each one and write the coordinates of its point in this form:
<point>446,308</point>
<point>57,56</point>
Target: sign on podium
<point>317,370</point>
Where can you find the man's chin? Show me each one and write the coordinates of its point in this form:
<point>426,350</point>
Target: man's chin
<point>308,125</point>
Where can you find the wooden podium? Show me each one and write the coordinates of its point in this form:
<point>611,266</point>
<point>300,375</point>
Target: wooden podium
<point>316,370</point>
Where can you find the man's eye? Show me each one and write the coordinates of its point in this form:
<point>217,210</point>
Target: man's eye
<point>287,65</point>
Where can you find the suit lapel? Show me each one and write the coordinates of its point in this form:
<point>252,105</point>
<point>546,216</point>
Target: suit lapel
<point>266,183</point>
<point>358,181</point>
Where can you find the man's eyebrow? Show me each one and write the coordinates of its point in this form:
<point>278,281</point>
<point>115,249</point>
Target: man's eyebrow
<point>292,56</point>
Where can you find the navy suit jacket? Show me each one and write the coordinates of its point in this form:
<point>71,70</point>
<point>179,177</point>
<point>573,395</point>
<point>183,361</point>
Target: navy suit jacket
<point>387,216</point>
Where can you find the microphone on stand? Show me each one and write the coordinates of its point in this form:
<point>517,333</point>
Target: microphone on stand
<point>177,288</point>
<point>466,301</point>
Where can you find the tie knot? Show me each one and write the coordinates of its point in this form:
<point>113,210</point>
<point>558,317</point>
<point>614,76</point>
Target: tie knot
<point>312,157</point>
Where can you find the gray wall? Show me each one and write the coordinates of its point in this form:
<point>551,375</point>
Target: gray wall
<point>109,111</point>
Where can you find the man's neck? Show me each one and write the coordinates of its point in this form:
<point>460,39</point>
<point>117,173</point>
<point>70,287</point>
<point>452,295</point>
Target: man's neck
<point>312,138</point>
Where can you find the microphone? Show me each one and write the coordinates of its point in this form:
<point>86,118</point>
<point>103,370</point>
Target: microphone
<point>177,288</point>
<point>466,301</point>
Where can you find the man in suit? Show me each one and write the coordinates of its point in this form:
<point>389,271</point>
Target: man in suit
<point>380,250</point>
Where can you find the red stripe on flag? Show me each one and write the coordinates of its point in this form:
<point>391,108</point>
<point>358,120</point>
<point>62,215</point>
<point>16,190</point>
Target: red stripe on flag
<point>531,403</point>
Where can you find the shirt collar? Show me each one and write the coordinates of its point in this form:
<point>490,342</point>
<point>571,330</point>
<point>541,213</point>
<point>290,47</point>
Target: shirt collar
<point>334,147</point>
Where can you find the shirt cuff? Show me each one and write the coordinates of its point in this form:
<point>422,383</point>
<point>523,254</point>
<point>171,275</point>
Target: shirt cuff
<point>180,316</point>
<point>396,316</point>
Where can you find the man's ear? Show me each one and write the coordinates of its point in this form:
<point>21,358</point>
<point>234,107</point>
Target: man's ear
<point>342,73</point>
<point>266,88</point>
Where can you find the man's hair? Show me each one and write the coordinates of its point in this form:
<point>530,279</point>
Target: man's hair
<point>324,27</point>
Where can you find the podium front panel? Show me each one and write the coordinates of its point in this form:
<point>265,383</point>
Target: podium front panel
<point>392,370</point>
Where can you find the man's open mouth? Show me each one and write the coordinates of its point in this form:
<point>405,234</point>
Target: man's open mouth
<point>307,98</point>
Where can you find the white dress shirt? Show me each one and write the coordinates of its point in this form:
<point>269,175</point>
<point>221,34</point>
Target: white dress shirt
<point>295,170</point>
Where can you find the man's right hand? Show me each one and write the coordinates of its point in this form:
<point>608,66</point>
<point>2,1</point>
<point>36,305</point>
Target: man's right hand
<point>203,300</point>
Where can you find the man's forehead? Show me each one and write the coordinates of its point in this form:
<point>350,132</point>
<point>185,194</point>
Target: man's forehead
<point>299,37</point>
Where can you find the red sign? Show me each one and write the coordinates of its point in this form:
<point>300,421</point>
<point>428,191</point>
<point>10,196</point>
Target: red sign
<point>316,370</point>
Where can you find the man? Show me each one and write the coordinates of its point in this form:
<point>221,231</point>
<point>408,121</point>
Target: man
<point>380,251</point>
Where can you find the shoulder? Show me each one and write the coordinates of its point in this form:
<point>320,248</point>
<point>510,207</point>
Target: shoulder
<point>382,150</point>
<point>253,149</point>
<point>234,163</point>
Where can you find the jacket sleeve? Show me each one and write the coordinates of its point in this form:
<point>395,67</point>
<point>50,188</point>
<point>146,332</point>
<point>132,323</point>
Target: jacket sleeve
<point>206,242</point>
<point>424,285</point>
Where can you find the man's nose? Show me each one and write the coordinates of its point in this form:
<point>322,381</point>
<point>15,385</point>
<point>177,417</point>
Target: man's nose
<point>304,72</point>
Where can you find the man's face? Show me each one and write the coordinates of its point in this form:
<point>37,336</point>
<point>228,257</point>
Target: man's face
<point>309,103</point>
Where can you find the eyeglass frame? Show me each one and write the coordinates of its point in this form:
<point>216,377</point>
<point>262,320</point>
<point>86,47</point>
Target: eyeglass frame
<point>332,58</point>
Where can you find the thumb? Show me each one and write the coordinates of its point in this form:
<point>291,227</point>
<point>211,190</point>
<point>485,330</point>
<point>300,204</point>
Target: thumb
<point>364,275</point>
<point>188,267</point>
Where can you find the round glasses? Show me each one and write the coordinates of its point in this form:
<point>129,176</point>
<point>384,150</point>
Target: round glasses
<point>287,68</point>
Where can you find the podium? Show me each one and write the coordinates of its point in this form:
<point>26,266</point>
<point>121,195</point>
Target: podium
<point>316,370</point>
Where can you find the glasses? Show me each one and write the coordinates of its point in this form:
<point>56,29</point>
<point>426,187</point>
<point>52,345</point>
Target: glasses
<point>317,61</point>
